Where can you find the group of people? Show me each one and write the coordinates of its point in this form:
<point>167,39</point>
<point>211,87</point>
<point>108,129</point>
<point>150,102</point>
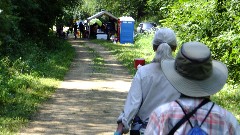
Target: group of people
<point>78,29</point>
<point>172,95</point>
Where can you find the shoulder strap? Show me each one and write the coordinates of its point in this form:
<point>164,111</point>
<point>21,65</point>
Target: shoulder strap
<point>207,114</point>
<point>187,116</point>
<point>184,112</point>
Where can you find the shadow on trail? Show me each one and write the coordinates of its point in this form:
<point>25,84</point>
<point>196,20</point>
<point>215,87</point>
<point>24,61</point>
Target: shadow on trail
<point>87,112</point>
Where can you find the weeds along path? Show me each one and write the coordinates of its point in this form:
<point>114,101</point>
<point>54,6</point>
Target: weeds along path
<point>89,99</point>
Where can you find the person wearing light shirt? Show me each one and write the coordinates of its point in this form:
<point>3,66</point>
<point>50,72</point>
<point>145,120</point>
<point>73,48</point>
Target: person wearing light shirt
<point>196,76</point>
<point>149,87</point>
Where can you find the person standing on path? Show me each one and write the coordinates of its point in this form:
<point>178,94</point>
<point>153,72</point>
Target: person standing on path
<point>75,29</point>
<point>196,76</point>
<point>149,87</point>
<point>81,28</point>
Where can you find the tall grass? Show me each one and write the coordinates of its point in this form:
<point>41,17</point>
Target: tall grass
<point>228,97</point>
<point>30,79</point>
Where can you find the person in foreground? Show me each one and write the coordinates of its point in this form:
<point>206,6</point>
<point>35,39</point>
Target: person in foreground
<point>149,87</point>
<point>196,76</point>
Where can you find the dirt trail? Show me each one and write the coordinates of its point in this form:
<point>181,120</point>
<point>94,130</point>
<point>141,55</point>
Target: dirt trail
<point>87,102</point>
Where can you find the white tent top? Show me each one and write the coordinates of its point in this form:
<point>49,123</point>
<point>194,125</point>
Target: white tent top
<point>100,14</point>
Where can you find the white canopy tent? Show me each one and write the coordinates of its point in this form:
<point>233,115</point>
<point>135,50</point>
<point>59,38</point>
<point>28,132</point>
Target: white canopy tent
<point>98,15</point>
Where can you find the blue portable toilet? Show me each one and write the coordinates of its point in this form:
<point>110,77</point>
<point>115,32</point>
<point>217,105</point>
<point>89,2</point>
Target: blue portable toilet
<point>126,30</point>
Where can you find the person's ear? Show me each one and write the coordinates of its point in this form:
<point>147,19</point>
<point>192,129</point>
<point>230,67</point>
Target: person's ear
<point>155,48</point>
<point>174,48</point>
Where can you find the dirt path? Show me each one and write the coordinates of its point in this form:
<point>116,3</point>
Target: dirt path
<point>87,102</point>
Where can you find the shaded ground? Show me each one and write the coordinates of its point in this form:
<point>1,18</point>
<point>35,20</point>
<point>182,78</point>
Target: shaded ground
<point>87,102</point>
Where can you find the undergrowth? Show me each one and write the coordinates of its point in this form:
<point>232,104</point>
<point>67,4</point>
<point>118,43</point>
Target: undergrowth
<point>30,79</point>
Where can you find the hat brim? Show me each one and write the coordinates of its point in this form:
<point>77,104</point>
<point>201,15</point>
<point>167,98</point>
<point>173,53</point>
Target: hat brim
<point>196,88</point>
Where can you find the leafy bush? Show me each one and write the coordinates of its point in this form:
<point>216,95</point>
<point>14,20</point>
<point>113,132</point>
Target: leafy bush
<point>215,24</point>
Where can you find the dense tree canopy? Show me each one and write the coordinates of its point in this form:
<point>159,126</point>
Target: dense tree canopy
<point>29,19</point>
<point>153,10</point>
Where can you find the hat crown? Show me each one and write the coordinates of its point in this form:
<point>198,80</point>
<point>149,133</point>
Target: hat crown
<point>194,61</point>
<point>196,51</point>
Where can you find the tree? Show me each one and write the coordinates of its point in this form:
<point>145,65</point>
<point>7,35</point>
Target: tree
<point>38,16</point>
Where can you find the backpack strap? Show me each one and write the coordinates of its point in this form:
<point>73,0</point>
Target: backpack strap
<point>184,112</point>
<point>187,116</point>
<point>207,114</point>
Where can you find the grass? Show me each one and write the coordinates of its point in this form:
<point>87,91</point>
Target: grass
<point>126,53</point>
<point>228,97</point>
<point>28,82</point>
<point>98,61</point>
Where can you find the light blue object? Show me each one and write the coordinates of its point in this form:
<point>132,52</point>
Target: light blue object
<point>117,133</point>
<point>126,30</point>
<point>196,131</point>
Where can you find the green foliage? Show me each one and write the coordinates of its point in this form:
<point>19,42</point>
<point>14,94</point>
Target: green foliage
<point>231,98</point>
<point>203,21</point>
<point>140,10</point>
<point>8,30</point>
<point>22,21</point>
<point>32,60</point>
<point>28,81</point>
<point>157,10</point>
<point>36,17</point>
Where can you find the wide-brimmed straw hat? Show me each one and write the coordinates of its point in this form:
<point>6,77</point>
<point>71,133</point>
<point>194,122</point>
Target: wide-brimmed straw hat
<point>193,72</point>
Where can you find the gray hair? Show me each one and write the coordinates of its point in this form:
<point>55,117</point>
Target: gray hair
<point>165,35</point>
<point>164,51</point>
<point>165,40</point>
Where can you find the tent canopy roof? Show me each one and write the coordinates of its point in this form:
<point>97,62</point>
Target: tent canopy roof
<point>100,14</point>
